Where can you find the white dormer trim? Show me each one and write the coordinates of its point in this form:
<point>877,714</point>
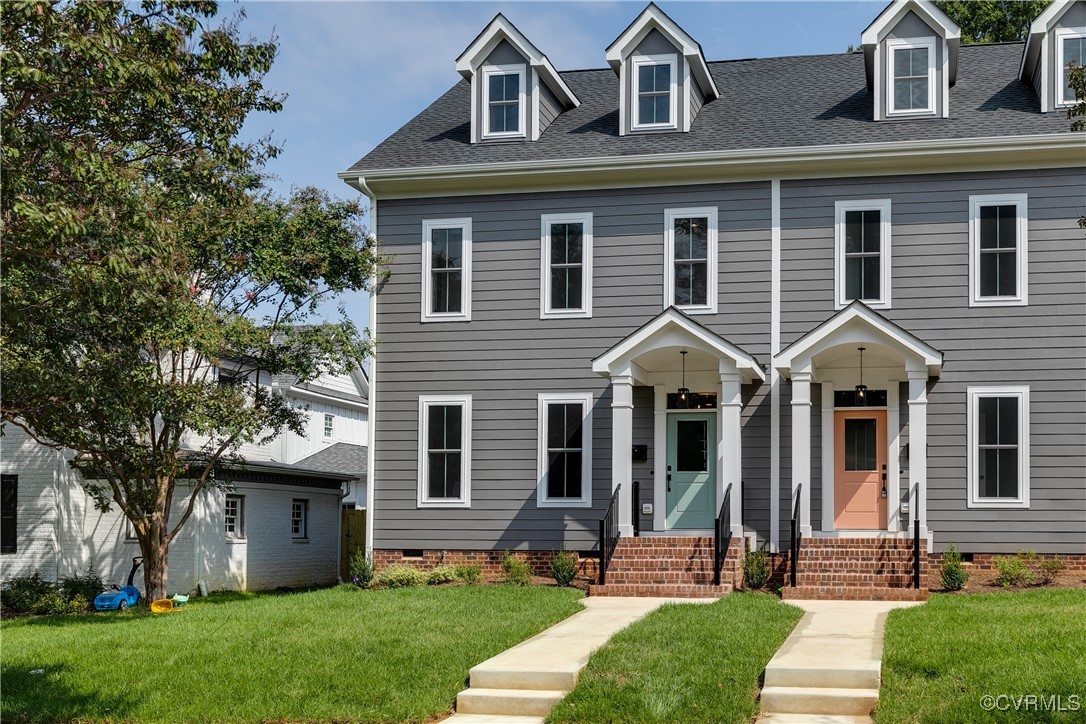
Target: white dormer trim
<point>1036,50</point>
<point>499,29</point>
<point>1060,72</point>
<point>881,26</point>
<point>692,67</point>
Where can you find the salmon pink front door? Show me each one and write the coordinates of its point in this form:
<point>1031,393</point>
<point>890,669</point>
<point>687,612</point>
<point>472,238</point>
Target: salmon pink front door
<point>859,496</point>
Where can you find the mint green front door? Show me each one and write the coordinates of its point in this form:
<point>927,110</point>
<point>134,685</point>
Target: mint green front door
<point>691,470</point>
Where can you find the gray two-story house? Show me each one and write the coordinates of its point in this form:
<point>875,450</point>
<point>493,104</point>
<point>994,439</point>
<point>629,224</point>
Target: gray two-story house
<point>829,303</point>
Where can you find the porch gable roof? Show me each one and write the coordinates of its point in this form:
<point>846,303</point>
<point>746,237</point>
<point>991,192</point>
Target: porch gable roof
<point>878,327</point>
<point>661,332</point>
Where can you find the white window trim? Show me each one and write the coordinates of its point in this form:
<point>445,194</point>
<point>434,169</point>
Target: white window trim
<point>490,70</point>
<point>305,519</point>
<point>709,212</point>
<point>635,106</point>
<point>464,315</point>
<point>240,516</point>
<point>329,426</point>
<point>974,394</point>
<point>883,207</point>
<point>545,309</point>
<point>585,501</point>
<point>1021,299</point>
<point>1062,35</point>
<point>464,501</point>
<point>895,44</point>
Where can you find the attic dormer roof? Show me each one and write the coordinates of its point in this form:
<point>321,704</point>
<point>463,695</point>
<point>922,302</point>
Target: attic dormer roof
<point>1040,27</point>
<point>874,33</point>
<point>500,29</point>
<point>653,18</point>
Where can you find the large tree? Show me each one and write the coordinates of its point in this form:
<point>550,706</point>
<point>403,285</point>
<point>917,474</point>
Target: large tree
<point>142,253</point>
<point>992,21</point>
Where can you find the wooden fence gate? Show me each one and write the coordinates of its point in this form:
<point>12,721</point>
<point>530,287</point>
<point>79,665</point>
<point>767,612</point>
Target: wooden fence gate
<point>354,539</point>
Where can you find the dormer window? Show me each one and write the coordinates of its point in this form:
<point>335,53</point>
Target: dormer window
<point>911,74</point>
<point>505,101</point>
<point>656,91</point>
<point>1071,50</point>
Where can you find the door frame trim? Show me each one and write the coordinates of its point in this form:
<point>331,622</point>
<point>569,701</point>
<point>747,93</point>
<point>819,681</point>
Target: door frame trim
<point>893,460</point>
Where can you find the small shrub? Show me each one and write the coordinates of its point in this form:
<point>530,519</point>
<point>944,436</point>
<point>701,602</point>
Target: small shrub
<point>756,569</point>
<point>361,569</point>
<point>1050,568</point>
<point>564,567</point>
<point>441,574</point>
<point>516,571</point>
<point>399,576</point>
<point>469,573</point>
<point>53,603</point>
<point>953,572</point>
<point>86,586</point>
<point>1012,571</point>
<point>19,594</point>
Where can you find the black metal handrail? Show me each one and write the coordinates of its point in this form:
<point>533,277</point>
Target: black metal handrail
<point>609,533</point>
<point>916,536</point>
<point>720,547</point>
<point>793,556</point>
<point>636,509</point>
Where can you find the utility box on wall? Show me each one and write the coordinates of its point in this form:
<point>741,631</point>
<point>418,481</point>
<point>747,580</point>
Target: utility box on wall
<point>640,453</point>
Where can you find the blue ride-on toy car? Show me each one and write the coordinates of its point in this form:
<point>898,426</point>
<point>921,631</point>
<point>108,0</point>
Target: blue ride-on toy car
<point>121,597</point>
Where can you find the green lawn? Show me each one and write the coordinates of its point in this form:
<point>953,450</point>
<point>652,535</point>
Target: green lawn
<point>684,663</point>
<point>341,653</point>
<point>942,658</point>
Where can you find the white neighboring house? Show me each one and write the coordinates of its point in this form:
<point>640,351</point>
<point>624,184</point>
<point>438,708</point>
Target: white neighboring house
<point>278,527</point>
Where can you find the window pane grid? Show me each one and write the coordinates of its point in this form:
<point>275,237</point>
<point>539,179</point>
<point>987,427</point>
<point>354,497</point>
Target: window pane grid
<point>863,255</point>
<point>444,451</point>
<point>447,274</point>
<point>565,451</point>
<point>504,101</point>
<point>911,79</point>
<point>997,447</point>
<point>566,265</point>
<point>1074,51</point>
<point>654,93</point>
<point>999,251</point>
<point>298,518</point>
<point>691,261</point>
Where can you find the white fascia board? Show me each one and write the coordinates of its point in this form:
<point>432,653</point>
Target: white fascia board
<point>889,17</point>
<point>640,342</point>
<point>1032,53</point>
<point>819,339</point>
<point>314,396</point>
<point>1048,150</point>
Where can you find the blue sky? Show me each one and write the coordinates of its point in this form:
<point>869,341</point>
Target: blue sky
<point>354,72</point>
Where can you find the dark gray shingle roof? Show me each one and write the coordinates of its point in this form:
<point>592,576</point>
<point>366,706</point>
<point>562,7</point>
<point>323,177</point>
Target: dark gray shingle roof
<point>342,457</point>
<point>765,103</point>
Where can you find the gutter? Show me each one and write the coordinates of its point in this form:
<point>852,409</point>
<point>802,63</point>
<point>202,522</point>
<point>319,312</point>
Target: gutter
<point>1051,150</point>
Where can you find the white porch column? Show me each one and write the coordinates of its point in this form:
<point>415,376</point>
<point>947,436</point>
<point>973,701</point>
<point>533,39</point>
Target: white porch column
<point>918,449</point>
<point>730,448</point>
<point>621,448</point>
<point>801,448</point>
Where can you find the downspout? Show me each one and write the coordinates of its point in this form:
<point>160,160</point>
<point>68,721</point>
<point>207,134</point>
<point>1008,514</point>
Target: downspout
<point>339,538</point>
<point>371,481</point>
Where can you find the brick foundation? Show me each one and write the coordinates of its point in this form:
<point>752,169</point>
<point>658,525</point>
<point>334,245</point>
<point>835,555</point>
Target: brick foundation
<point>982,564</point>
<point>489,561</point>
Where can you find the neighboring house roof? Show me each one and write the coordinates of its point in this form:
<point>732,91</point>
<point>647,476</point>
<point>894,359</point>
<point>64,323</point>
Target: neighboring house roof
<point>764,103</point>
<point>342,457</point>
<point>329,392</point>
<point>276,473</point>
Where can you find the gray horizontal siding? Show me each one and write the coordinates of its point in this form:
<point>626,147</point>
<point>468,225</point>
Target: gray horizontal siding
<point>507,355</point>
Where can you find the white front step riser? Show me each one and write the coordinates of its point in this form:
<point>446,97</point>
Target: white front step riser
<point>524,680</point>
<point>854,702</point>
<point>823,678</point>
<point>511,702</point>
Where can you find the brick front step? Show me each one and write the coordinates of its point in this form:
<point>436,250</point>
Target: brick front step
<point>641,590</point>
<point>853,593</point>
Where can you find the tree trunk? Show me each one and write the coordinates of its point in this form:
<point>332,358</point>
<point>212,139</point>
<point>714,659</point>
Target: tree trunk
<point>155,555</point>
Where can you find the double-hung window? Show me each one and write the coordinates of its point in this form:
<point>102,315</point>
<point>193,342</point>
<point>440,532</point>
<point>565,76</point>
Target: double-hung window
<point>565,450</point>
<point>862,243</point>
<point>299,518</point>
<point>234,516</point>
<point>998,441</point>
<point>446,270</point>
<point>329,425</point>
<point>567,266</point>
<point>504,105</point>
<point>998,268</point>
<point>1070,50</point>
<point>655,91</point>
<point>9,513</point>
<point>910,76</point>
<point>690,258</point>
<point>444,451</point>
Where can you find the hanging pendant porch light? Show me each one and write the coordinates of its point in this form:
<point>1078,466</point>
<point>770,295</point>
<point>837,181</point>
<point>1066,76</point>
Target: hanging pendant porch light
<point>684,393</point>
<point>861,389</point>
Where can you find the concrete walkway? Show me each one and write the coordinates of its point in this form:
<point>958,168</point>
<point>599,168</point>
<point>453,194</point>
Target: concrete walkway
<point>830,669</point>
<point>522,685</point>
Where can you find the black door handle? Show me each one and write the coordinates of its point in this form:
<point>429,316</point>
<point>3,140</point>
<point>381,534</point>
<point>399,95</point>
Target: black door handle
<point>669,482</point>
